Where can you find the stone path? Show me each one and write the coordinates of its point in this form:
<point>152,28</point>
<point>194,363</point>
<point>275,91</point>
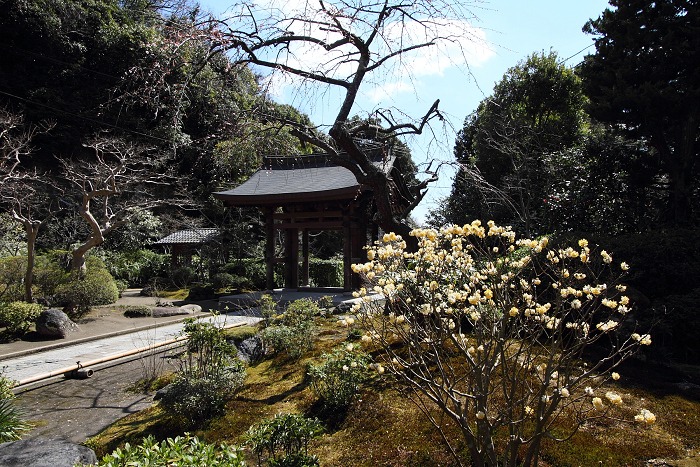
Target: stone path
<point>28,367</point>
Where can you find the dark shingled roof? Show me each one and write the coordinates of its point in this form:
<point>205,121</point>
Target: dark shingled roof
<point>301,178</point>
<point>191,236</point>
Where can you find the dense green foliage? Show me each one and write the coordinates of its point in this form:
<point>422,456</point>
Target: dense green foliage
<point>643,78</point>
<point>536,110</point>
<point>11,424</point>
<point>82,291</point>
<point>181,451</point>
<point>208,376</point>
<point>283,441</point>
<point>337,378</point>
<point>18,317</point>
<point>292,331</point>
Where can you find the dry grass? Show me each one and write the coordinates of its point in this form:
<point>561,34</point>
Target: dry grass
<point>383,428</point>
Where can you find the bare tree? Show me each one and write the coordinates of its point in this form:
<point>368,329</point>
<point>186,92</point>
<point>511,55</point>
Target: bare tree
<point>354,41</point>
<point>112,186</point>
<point>339,45</point>
<point>22,190</point>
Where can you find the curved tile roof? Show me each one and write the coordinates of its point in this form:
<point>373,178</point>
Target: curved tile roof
<point>300,178</point>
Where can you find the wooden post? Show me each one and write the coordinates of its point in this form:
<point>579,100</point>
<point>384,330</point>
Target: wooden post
<point>269,248</point>
<point>347,253</point>
<point>305,257</point>
<point>292,258</point>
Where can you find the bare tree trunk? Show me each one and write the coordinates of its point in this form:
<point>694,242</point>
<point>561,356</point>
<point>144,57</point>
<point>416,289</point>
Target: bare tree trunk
<point>32,229</point>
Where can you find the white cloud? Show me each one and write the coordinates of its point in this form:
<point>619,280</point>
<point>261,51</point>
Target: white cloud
<point>460,45</point>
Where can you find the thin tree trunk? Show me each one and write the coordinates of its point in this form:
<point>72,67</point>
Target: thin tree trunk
<point>32,229</point>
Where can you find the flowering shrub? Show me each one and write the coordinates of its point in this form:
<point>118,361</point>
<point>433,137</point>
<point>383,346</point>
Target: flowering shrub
<point>337,379</point>
<point>493,330</point>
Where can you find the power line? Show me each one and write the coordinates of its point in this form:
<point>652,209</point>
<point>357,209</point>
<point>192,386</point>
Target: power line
<point>561,62</point>
<point>111,125</point>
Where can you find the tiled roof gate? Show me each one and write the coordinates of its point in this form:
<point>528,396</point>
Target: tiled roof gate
<point>302,194</point>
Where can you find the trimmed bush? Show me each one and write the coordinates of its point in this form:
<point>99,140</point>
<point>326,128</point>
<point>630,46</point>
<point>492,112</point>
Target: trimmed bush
<point>201,292</point>
<point>326,272</point>
<point>95,288</point>
<point>223,280</point>
<point>292,331</point>
<point>18,317</point>
<point>182,276</point>
<point>137,311</point>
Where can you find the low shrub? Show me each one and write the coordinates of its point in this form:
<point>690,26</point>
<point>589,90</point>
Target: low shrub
<point>18,317</point>
<point>137,311</point>
<point>182,450</point>
<point>222,280</point>
<point>337,379</point>
<point>283,441</point>
<point>201,292</point>
<point>95,287</point>
<point>182,276</point>
<point>208,376</point>
<point>326,272</point>
<point>292,331</point>
<point>253,270</point>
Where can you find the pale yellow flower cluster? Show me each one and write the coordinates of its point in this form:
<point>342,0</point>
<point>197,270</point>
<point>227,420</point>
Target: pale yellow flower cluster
<point>483,275</point>
<point>646,417</point>
<point>644,339</point>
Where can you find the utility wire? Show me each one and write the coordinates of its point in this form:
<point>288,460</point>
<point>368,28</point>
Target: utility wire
<point>111,125</point>
<point>561,62</point>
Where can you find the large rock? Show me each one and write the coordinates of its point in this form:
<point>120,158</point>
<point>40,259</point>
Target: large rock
<point>163,311</point>
<point>43,452</point>
<point>192,307</point>
<point>54,323</point>
<point>251,350</point>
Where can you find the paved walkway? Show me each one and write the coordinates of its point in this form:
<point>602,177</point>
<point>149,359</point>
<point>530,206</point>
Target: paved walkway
<point>26,369</point>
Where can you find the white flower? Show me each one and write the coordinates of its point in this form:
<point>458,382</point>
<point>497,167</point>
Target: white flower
<point>598,403</point>
<point>564,393</point>
<point>588,391</point>
<point>615,375</point>
<point>480,415</point>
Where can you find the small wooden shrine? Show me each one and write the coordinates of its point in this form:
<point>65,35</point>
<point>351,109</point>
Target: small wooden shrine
<point>303,194</point>
<point>184,243</point>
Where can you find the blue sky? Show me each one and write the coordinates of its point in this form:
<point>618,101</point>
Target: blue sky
<point>507,31</point>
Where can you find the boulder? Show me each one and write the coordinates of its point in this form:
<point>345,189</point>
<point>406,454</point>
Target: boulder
<point>192,307</point>
<point>43,452</point>
<point>163,311</point>
<point>251,350</point>
<point>54,323</point>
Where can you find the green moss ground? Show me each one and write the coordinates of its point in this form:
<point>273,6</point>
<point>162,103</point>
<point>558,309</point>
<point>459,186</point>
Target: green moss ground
<point>384,428</point>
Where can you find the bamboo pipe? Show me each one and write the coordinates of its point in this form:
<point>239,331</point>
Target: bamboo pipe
<point>81,366</point>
